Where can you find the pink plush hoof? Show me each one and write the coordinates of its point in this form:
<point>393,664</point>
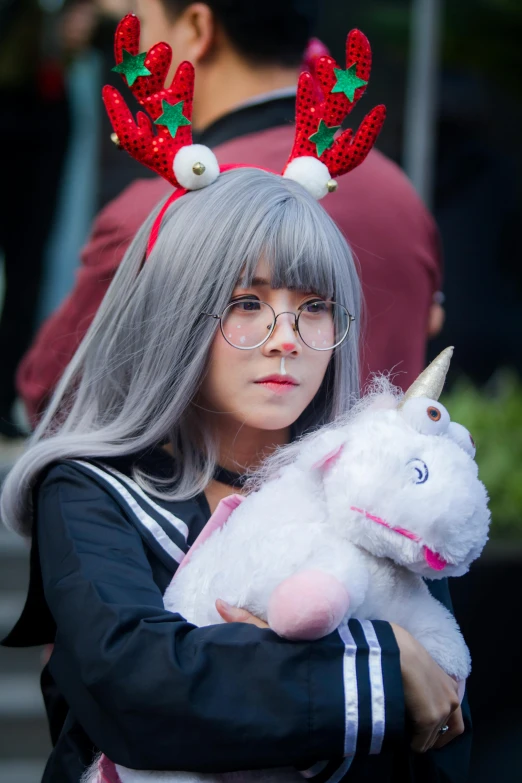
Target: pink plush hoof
<point>308,605</point>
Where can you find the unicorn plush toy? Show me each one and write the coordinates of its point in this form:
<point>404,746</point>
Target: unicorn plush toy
<point>346,523</point>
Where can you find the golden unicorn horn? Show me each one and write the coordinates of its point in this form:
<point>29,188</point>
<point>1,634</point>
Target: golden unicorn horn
<point>431,381</point>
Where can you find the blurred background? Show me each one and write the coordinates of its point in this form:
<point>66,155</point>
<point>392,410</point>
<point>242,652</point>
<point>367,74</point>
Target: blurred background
<point>450,74</point>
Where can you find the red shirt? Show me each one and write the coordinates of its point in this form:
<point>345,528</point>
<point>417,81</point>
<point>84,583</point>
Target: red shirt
<point>392,235</point>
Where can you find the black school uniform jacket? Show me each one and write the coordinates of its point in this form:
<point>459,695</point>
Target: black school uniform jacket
<point>153,692</point>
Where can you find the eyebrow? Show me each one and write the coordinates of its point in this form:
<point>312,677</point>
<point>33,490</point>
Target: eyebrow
<point>262,281</point>
<point>256,281</point>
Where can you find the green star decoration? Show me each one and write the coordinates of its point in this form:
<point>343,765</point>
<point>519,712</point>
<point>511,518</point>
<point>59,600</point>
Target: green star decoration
<point>132,66</point>
<point>324,138</point>
<point>348,81</point>
<point>172,117</point>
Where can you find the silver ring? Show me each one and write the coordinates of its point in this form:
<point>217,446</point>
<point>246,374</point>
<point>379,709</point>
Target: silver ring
<point>443,729</point>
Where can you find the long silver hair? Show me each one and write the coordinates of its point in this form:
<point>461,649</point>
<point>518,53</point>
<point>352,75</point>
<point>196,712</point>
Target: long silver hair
<point>133,379</point>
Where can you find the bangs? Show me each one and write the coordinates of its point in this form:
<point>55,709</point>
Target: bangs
<point>302,252</point>
<point>253,216</point>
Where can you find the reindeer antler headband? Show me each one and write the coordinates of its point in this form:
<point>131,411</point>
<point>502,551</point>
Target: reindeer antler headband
<point>317,157</point>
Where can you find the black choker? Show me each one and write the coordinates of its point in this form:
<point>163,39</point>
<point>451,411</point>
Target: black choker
<point>229,478</point>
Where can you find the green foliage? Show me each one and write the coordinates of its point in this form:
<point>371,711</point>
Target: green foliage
<point>494,418</point>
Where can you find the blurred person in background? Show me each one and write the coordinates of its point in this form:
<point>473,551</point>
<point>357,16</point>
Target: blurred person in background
<point>88,26</point>
<point>34,129</point>
<point>247,58</point>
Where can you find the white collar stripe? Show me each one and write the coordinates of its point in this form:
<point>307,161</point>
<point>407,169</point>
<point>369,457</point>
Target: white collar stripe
<point>153,528</point>
<point>174,520</point>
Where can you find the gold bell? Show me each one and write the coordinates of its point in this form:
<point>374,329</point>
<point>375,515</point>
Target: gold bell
<point>331,185</point>
<point>115,140</point>
<point>198,168</point>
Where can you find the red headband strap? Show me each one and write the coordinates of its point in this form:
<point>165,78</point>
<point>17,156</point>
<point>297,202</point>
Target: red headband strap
<point>179,192</point>
<point>157,223</point>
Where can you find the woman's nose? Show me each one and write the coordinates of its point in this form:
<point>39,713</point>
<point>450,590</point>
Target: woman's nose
<point>284,338</point>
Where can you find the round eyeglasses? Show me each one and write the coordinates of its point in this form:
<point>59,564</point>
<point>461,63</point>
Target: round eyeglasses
<point>249,323</point>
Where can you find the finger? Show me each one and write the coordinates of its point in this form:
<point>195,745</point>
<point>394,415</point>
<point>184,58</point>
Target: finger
<point>456,728</point>
<point>436,736</point>
<point>232,614</point>
<point>425,740</point>
<point>420,742</point>
<point>438,739</point>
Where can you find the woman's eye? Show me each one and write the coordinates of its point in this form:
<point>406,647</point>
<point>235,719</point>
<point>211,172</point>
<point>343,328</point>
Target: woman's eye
<point>419,471</point>
<point>318,307</point>
<point>245,306</point>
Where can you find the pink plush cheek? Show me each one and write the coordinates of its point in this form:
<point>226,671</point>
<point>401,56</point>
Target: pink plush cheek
<point>308,605</point>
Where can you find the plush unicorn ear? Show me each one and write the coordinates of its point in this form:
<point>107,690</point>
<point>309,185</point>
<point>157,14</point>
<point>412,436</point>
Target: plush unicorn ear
<point>322,450</point>
<point>327,460</point>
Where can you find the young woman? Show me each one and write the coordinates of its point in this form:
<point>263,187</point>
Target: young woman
<point>163,393</point>
<point>238,333</point>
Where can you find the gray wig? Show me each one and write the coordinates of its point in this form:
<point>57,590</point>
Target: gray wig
<point>132,381</point>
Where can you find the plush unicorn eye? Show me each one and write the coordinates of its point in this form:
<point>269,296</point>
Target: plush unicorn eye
<point>419,471</point>
<point>426,416</point>
<point>462,437</point>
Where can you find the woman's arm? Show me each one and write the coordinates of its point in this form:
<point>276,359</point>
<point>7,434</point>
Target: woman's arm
<point>154,692</point>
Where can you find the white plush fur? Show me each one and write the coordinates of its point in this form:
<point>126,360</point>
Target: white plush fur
<point>185,159</point>
<point>395,464</point>
<point>311,173</point>
<point>461,436</point>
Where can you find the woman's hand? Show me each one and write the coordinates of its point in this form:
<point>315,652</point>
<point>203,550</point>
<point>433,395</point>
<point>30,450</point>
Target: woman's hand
<point>231,614</point>
<point>430,694</point>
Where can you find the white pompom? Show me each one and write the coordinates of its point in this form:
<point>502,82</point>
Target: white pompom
<point>192,159</point>
<point>311,173</point>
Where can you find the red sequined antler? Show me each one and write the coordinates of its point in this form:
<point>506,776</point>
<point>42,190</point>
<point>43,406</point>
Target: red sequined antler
<point>318,121</point>
<point>145,74</point>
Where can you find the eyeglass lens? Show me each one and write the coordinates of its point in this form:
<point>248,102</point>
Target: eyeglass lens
<point>248,323</point>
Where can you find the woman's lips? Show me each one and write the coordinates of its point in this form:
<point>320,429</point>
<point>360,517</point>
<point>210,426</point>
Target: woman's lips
<point>278,383</point>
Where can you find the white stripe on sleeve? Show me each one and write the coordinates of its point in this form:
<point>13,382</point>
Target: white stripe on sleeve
<point>314,770</point>
<point>351,696</point>
<point>341,771</point>
<point>377,687</point>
